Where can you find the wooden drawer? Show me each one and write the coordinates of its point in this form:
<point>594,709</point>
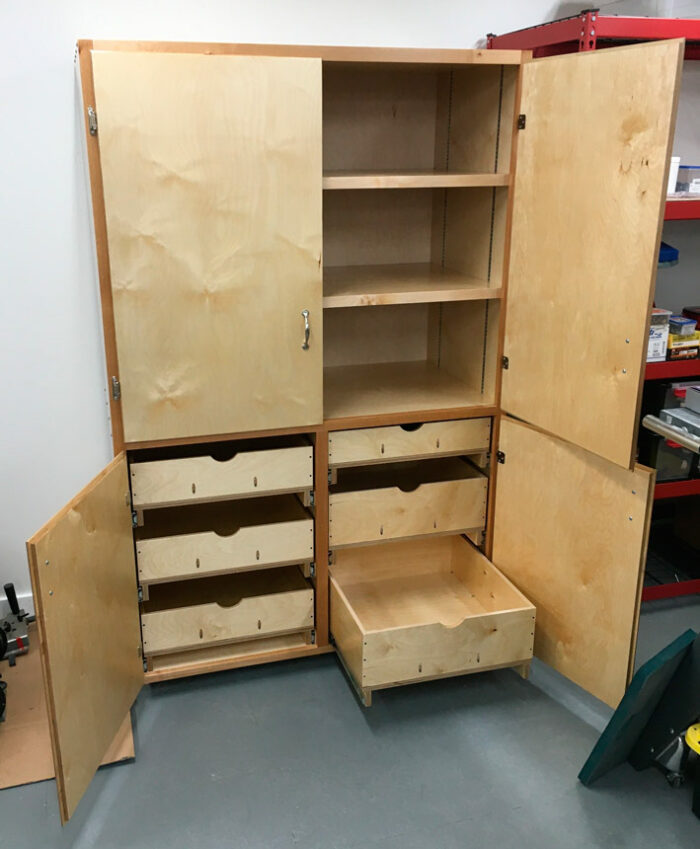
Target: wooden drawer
<point>228,608</point>
<point>408,442</point>
<point>229,474</point>
<point>231,536</point>
<point>410,611</point>
<point>397,501</point>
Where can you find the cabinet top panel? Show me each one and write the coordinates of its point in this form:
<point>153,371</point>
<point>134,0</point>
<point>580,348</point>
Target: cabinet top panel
<point>382,55</point>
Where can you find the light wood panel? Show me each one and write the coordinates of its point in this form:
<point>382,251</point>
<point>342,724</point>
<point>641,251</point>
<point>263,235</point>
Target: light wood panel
<point>366,446</point>
<point>333,53</point>
<point>570,532</point>
<point>472,241</point>
<point>425,609</point>
<point>410,179</point>
<point>25,739</point>
<point>585,240</point>
<point>379,503</point>
<point>188,480</point>
<point>206,539</point>
<point>226,609</point>
<point>212,183</point>
<point>388,388</point>
<point>84,583</point>
<point>378,285</point>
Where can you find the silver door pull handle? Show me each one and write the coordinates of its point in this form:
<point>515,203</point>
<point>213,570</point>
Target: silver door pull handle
<point>307,330</point>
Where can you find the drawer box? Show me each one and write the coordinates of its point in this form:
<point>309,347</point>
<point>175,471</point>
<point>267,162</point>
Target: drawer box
<point>228,608</point>
<point>230,536</point>
<point>224,474</point>
<point>408,442</point>
<point>376,504</point>
<point>410,611</point>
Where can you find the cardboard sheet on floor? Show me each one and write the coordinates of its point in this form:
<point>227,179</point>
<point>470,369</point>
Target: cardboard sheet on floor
<point>25,743</point>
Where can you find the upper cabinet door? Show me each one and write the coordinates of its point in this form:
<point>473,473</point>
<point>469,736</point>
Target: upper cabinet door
<point>85,596</point>
<point>212,175</point>
<point>590,183</point>
<point>570,531</point>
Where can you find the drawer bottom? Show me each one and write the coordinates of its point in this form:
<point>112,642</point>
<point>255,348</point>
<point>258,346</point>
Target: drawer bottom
<point>411,611</point>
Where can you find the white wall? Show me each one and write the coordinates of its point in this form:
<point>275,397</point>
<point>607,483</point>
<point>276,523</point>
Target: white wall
<point>54,433</point>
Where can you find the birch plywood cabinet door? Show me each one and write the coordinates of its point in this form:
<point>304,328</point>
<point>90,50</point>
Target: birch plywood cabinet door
<point>211,167</point>
<point>589,188</point>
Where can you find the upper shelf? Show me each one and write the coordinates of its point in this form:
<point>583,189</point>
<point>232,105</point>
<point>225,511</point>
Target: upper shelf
<point>415,283</point>
<point>431,179</point>
<point>669,369</point>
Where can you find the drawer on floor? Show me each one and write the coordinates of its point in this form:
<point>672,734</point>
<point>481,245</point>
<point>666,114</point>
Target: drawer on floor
<point>409,611</point>
<point>408,442</point>
<point>227,608</point>
<point>226,470</point>
<point>396,501</point>
<point>198,540</point>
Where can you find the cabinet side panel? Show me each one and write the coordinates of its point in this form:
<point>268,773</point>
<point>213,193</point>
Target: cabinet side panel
<point>84,582</point>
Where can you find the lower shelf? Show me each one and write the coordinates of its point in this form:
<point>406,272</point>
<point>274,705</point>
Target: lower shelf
<point>186,664</point>
<point>411,611</point>
<point>385,388</point>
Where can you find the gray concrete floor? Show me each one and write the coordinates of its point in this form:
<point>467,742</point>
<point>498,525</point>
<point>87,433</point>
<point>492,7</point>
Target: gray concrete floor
<point>283,756</point>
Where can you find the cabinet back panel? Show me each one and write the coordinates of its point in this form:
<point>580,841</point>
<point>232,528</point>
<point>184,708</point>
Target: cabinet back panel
<point>377,227</point>
<point>212,186</point>
<point>378,118</point>
<point>361,335</point>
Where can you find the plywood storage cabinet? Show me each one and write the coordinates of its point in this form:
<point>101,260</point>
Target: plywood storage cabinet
<point>375,322</point>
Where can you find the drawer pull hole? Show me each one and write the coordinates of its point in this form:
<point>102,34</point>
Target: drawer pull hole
<point>197,562</point>
<point>194,488</point>
<point>411,427</point>
<point>412,487</point>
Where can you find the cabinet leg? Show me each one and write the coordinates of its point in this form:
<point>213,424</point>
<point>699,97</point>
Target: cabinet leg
<point>523,670</point>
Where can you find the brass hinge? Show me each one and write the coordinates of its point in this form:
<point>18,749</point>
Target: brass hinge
<point>505,362</point>
<point>521,122</point>
<point>501,456</point>
<point>92,121</point>
<point>116,389</point>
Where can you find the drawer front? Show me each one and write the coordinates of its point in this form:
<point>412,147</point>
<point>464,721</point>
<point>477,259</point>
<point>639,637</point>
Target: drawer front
<point>385,444</point>
<point>209,624</point>
<point>375,515</point>
<point>189,480</point>
<point>402,655</point>
<point>196,555</point>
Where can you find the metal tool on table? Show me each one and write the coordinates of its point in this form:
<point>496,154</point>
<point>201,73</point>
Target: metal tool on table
<point>14,637</point>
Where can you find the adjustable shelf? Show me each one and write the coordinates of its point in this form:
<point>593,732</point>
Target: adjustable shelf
<point>400,283</point>
<point>404,179</point>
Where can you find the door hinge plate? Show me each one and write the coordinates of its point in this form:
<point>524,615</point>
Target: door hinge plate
<point>140,594</point>
<point>505,362</point>
<point>92,121</point>
<point>116,389</point>
<point>312,569</point>
<point>501,456</point>
<point>522,119</point>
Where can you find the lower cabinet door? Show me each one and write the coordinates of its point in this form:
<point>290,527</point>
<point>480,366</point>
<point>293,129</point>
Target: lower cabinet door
<point>227,608</point>
<point>415,610</point>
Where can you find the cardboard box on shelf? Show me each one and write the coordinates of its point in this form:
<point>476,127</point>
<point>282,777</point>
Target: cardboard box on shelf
<point>658,335</point>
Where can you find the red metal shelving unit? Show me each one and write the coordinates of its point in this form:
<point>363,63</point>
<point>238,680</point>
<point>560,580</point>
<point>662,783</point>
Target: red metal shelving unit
<point>589,30</point>
<point>672,370</point>
<point>682,210</point>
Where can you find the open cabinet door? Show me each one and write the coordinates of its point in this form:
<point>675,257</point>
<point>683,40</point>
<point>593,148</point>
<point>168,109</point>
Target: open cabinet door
<point>85,596</point>
<point>570,531</point>
<point>589,188</point>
